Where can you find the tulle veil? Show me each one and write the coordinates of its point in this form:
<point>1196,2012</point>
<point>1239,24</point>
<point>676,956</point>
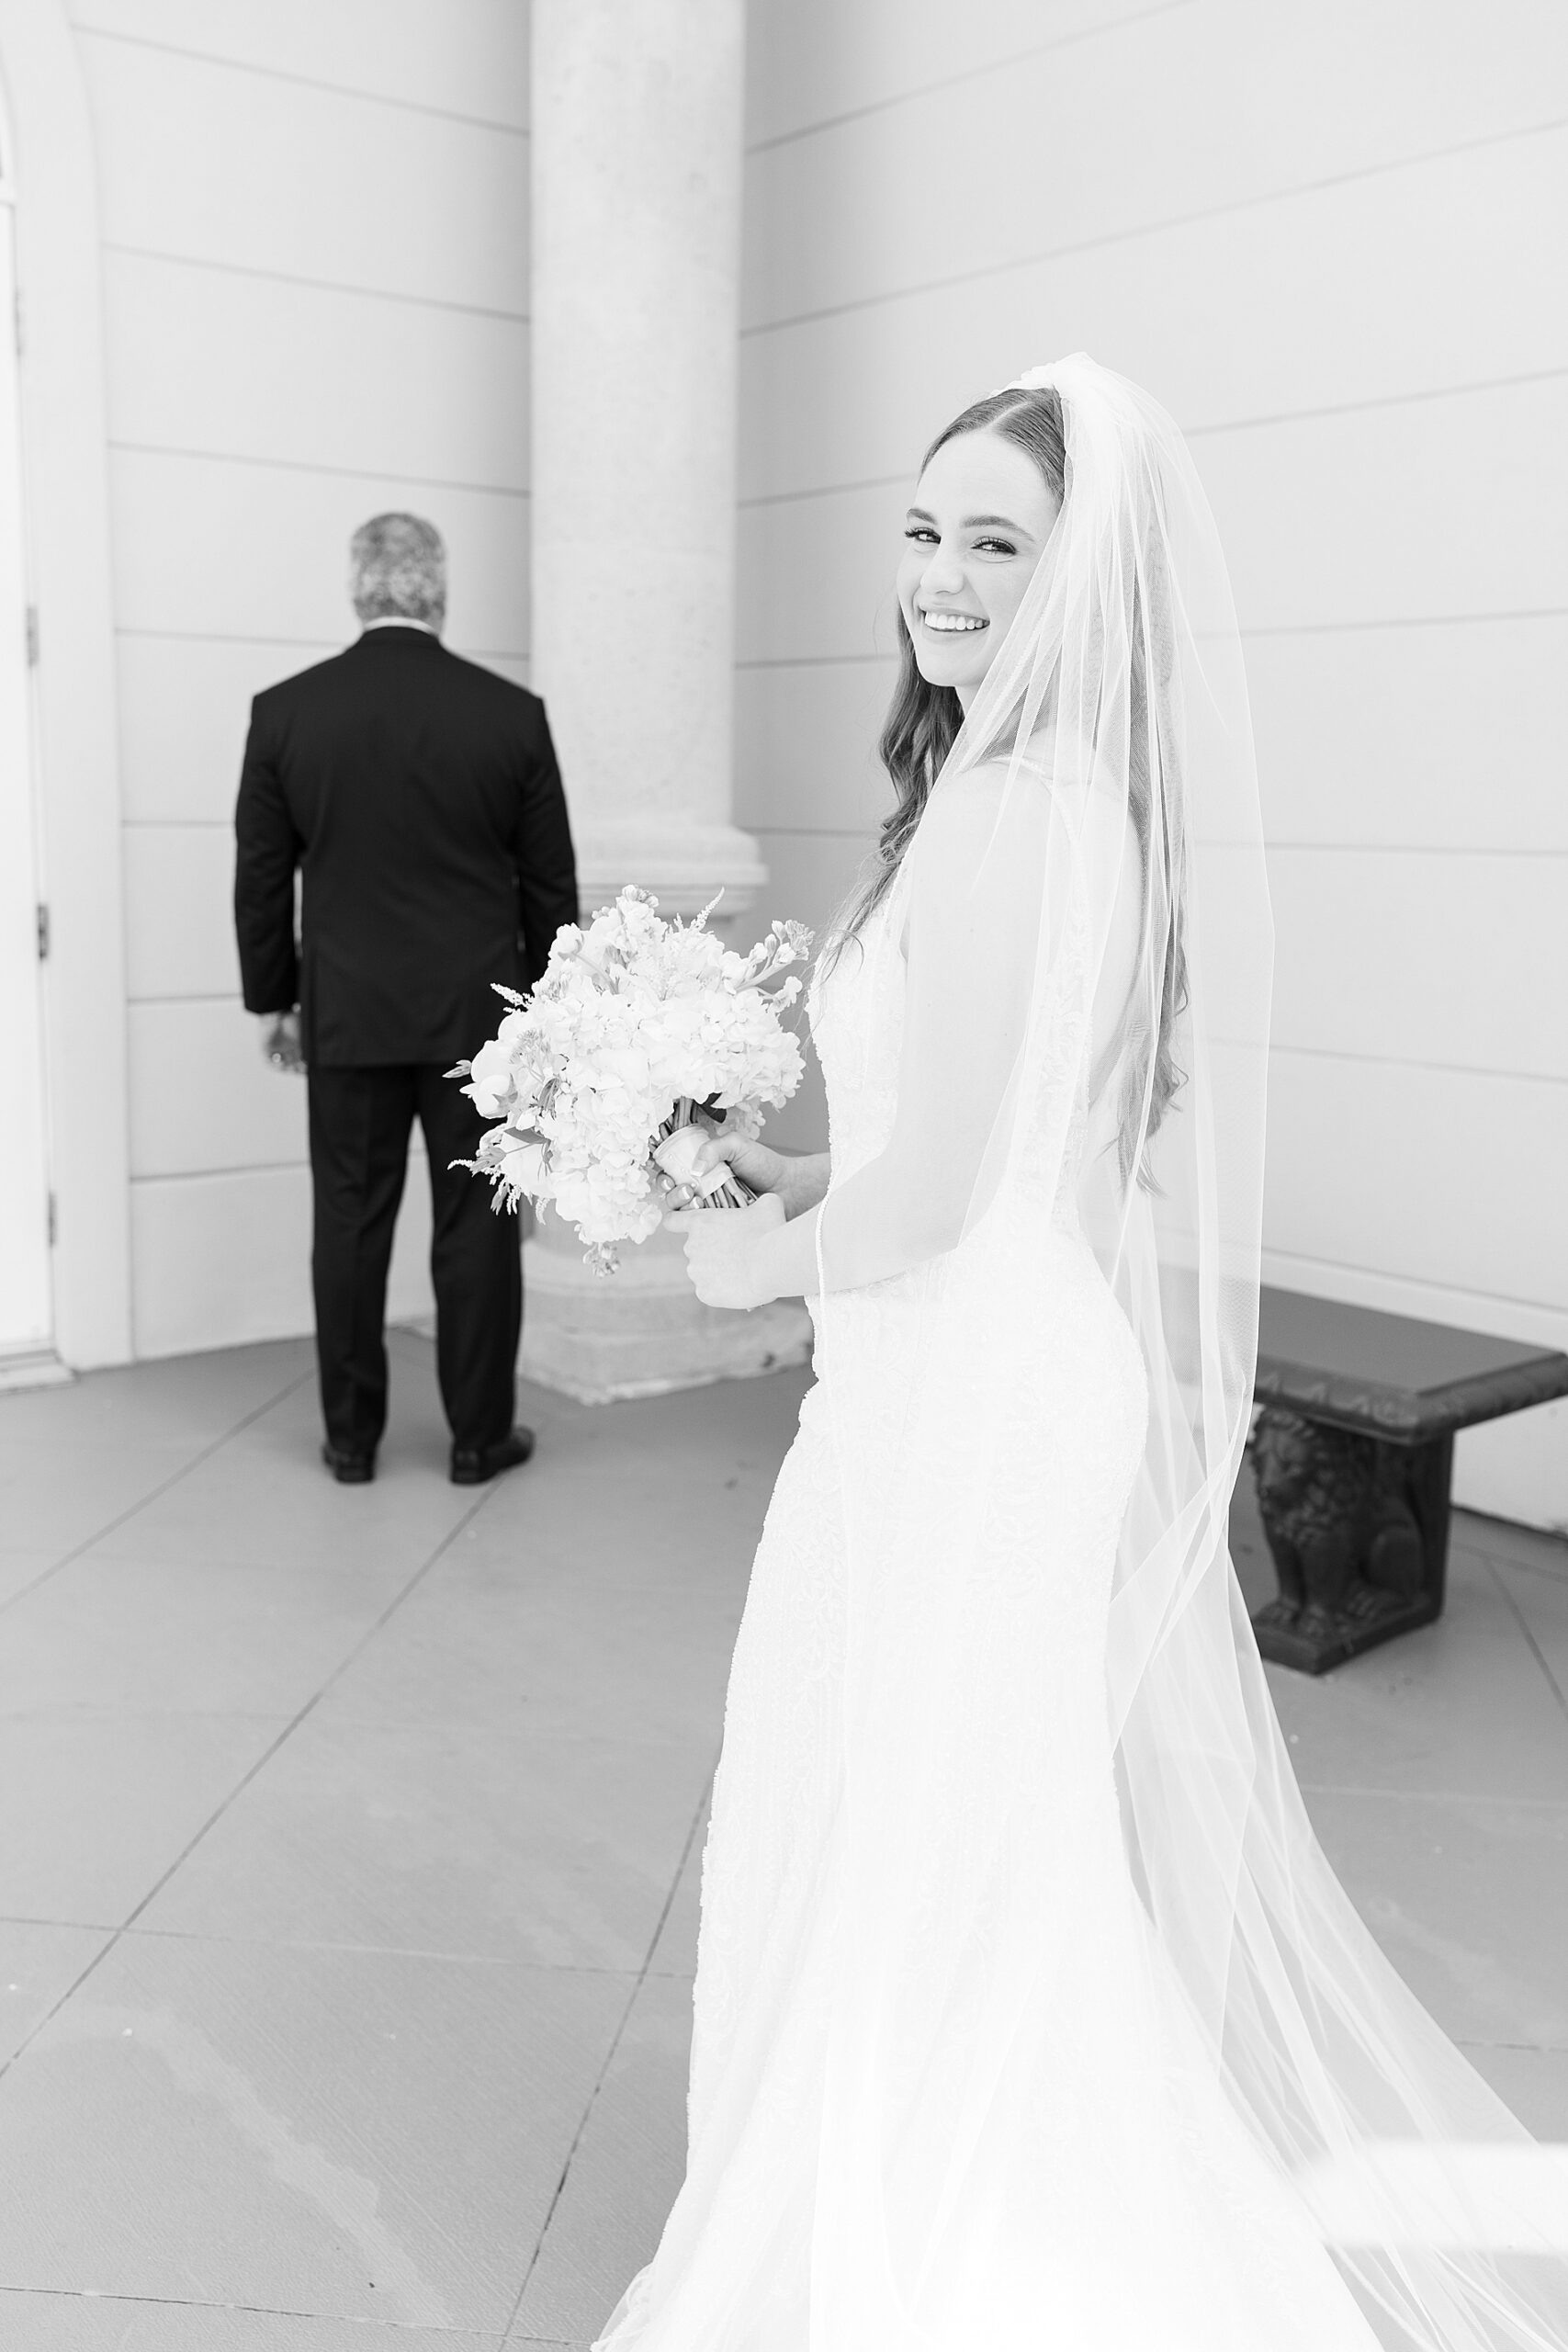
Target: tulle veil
<point>1116,711</point>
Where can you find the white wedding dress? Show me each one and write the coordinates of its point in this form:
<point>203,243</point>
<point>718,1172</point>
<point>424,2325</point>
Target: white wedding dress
<point>1028,2015</point>
<point>1109,2203</point>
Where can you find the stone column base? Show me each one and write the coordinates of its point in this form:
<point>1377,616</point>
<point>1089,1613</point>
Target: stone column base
<point>642,1331</point>
<point>683,863</point>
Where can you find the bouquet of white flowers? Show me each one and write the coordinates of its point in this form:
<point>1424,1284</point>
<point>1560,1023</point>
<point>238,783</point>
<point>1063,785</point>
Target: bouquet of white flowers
<point>599,1074</point>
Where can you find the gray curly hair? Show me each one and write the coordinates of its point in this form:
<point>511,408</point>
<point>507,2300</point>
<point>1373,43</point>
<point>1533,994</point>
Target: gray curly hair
<point>399,570</point>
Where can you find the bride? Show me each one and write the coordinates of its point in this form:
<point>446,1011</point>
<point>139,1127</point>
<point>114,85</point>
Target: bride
<point>1028,2011</point>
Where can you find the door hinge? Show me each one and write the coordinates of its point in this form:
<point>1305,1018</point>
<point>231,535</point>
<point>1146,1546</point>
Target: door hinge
<point>53,1221</point>
<point>32,634</point>
<point>43,934</point>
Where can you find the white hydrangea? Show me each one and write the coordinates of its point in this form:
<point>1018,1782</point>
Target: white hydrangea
<point>636,1023</point>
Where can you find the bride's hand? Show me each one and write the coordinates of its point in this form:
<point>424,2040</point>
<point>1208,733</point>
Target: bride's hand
<point>724,1253</point>
<point>763,1170</point>
<point>797,1179</point>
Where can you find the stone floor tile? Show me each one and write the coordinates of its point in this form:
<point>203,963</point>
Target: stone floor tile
<point>1533,2082</point>
<point>380,1991</point>
<point>623,2176</point>
<point>95,1805</point>
<point>76,2323</point>
<point>1520,1547</point>
<point>675,1953</point>
<point>262,1502</point>
<point>490,1640</point>
<point>447,1838</point>
<point>203,1635</point>
<point>187,1400</point>
<point>1540,1597</point>
<point>20,1570</point>
<point>263,1495</point>
<point>1460,1708</point>
<point>54,1498</point>
<point>364,2136</point>
<point>679,1485</point>
<point>1468,1898</point>
<point>39,1964</point>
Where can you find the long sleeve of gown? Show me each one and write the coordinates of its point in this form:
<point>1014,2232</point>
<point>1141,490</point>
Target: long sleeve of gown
<point>995,871</point>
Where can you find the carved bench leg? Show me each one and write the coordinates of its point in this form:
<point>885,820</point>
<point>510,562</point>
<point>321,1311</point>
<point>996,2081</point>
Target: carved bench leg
<point>1358,1530</point>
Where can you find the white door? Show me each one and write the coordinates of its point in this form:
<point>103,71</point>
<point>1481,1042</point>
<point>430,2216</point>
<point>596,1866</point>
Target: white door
<point>25,1314</point>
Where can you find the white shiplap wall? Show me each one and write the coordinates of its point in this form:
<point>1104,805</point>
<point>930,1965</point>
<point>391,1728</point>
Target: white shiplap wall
<point>1329,240</point>
<point>315,241</point>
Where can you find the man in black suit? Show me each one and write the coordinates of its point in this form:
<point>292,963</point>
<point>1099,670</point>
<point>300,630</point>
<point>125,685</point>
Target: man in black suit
<point>419,797</point>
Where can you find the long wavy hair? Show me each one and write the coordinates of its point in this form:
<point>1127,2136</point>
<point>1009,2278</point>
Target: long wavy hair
<point>923,720</point>
<point>922,725</point>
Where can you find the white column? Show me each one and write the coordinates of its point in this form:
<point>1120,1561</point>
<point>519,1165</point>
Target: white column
<point>636,130</point>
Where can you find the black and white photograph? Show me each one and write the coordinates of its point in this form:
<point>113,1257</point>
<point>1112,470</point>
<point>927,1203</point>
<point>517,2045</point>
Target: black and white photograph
<point>784,1266</point>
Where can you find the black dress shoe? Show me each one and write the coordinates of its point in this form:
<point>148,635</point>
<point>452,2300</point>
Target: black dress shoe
<point>472,1466</point>
<point>349,1469</point>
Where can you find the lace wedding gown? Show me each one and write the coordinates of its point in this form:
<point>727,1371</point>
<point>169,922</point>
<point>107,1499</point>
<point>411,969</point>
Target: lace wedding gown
<point>1028,2015</point>
<point>916,1834</point>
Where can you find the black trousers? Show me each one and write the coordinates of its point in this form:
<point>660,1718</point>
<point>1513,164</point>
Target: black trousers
<point>360,1123</point>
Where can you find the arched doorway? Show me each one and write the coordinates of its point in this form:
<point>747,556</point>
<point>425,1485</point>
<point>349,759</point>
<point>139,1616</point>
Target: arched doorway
<point>26,1301</point>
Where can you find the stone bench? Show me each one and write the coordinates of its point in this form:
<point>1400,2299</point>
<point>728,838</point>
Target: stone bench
<point>1353,1452</point>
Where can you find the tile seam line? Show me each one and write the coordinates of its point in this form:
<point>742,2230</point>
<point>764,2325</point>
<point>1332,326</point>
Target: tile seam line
<point>1428,1796</point>
<point>1534,1647</point>
<point>298,81</point>
<point>485,2338</point>
<point>609,2059</point>
<point>307,466</point>
<point>975,74</point>
<point>1264,423</point>
<point>1536,1535</point>
<point>317,285</point>
<point>320,1944</point>
<point>1495,1559</point>
<point>259,1764</point>
<point>1149,229</point>
<point>1536,2049</point>
<point>154,1494</point>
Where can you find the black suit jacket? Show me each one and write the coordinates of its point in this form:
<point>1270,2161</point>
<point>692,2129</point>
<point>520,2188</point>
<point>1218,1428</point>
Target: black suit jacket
<point>420,796</point>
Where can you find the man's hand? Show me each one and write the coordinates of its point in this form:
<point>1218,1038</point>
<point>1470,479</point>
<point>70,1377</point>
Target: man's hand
<point>727,1253</point>
<point>280,1041</point>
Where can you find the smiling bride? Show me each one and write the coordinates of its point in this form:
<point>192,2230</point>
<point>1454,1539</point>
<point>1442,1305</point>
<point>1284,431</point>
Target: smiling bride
<point>1028,2011</point>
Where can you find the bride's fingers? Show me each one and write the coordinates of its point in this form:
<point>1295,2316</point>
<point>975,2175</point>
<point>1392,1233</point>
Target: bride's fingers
<point>685,1220</point>
<point>713,1152</point>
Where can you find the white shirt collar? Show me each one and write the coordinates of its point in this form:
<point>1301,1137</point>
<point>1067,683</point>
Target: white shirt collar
<point>400,620</point>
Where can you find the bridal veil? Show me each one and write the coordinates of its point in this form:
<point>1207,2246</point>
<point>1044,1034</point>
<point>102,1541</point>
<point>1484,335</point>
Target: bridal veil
<point>1086,1023</point>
